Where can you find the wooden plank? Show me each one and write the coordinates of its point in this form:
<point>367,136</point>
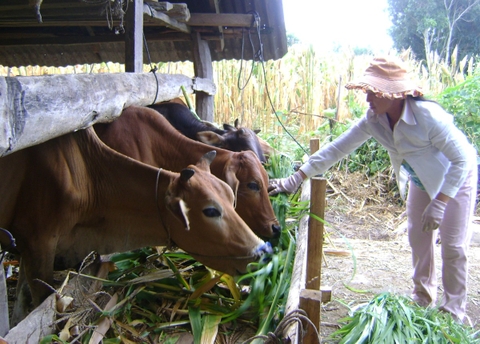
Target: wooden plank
<point>134,37</point>
<point>154,16</point>
<point>314,145</point>
<point>202,65</point>
<point>160,6</point>
<point>310,302</point>
<point>220,44</point>
<point>38,108</point>
<point>297,282</point>
<point>221,19</point>
<point>38,324</point>
<point>4,318</point>
<point>179,12</point>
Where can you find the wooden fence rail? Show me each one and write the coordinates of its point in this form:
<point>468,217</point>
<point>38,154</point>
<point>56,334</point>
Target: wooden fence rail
<point>38,108</point>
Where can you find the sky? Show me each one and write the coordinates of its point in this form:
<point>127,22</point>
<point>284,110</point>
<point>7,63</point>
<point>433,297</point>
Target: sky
<point>324,23</point>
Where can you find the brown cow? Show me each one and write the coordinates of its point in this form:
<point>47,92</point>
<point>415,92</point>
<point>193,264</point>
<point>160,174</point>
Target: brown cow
<point>72,195</point>
<point>145,135</point>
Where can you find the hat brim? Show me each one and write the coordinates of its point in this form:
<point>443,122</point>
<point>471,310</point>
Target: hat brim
<point>392,89</point>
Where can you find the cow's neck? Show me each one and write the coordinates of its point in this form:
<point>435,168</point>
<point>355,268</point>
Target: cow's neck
<point>130,196</point>
<point>178,155</point>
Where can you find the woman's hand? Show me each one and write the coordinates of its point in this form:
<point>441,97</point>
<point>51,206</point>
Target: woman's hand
<point>287,185</point>
<point>433,215</point>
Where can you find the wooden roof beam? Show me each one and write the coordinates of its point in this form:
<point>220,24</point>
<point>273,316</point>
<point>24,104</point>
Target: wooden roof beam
<point>196,19</point>
<point>221,19</point>
<point>220,44</point>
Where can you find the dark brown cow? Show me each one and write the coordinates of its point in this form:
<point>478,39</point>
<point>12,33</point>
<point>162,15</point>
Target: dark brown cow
<point>233,138</point>
<point>143,134</point>
<point>72,195</point>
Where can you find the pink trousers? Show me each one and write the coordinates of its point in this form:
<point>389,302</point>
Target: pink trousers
<point>455,234</point>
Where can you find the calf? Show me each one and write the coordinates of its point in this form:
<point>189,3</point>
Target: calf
<point>143,134</point>
<point>233,138</point>
<point>72,195</point>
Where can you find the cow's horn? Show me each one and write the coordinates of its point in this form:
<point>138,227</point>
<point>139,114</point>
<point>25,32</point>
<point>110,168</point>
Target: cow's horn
<point>210,156</point>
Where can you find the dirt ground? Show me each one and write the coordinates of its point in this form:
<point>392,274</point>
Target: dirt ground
<point>369,223</point>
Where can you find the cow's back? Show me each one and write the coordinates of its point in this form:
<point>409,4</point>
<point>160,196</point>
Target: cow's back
<point>235,139</point>
<point>182,119</point>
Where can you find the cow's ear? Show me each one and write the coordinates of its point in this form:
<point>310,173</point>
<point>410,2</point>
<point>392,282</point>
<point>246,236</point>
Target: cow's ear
<point>186,174</point>
<point>211,138</point>
<point>228,127</point>
<point>256,131</point>
<point>179,209</point>
<point>232,181</point>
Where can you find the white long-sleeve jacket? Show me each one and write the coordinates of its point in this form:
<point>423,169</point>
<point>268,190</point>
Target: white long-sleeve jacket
<point>425,137</point>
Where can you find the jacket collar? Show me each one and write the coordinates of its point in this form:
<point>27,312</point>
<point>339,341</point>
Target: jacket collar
<point>407,116</point>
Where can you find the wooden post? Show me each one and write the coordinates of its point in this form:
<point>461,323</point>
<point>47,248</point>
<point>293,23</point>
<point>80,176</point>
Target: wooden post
<point>4,322</point>
<point>311,296</point>
<point>314,145</point>
<point>134,37</point>
<point>315,233</point>
<point>202,64</point>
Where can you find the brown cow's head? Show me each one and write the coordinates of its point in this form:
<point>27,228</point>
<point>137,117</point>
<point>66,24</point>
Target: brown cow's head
<point>208,227</point>
<point>249,181</point>
<point>234,139</point>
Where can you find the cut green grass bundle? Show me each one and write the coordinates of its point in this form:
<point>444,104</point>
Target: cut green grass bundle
<point>390,318</point>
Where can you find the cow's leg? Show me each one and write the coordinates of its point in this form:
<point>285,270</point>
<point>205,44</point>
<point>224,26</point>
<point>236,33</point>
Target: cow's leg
<point>35,277</point>
<point>23,298</point>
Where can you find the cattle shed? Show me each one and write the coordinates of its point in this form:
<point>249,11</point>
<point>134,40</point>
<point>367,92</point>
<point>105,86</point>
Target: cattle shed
<point>131,32</point>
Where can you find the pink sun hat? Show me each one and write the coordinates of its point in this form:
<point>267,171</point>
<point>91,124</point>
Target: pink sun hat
<point>386,78</point>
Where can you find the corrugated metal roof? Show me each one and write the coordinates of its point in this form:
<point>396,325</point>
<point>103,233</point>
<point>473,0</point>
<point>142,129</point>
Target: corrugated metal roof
<point>23,41</point>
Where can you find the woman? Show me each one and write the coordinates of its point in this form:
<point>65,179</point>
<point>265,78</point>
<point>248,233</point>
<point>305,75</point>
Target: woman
<point>427,149</point>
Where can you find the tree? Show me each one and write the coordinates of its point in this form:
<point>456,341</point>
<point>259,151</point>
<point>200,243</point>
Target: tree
<point>434,25</point>
<point>455,12</point>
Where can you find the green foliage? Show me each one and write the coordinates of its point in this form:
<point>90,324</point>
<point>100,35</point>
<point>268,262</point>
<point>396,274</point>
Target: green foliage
<point>415,22</point>
<point>370,158</point>
<point>463,101</point>
<point>390,318</point>
<point>410,19</point>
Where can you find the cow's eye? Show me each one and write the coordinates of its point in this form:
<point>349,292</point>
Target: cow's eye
<point>253,186</point>
<point>211,212</point>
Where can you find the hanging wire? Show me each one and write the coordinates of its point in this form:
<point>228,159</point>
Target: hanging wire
<point>153,68</point>
<point>258,56</point>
